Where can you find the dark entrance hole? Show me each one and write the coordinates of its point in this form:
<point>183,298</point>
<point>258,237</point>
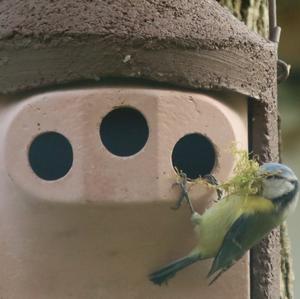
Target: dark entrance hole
<point>124,131</point>
<point>194,154</point>
<point>50,156</point>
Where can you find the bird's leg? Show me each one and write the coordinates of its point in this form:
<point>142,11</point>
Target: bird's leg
<point>213,181</point>
<point>182,183</point>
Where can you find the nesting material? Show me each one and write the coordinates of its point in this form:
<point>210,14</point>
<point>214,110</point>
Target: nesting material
<point>246,179</point>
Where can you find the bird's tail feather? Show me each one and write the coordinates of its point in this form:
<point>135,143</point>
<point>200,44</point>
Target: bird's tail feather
<point>165,273</point>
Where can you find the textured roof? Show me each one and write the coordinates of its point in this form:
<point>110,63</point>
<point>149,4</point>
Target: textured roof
<point>191,43</point>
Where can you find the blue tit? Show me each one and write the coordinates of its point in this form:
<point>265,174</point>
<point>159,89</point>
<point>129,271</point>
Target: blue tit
<point>236,223</point>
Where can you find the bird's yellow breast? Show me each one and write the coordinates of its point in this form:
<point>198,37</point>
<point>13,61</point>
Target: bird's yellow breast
<point>256,204</point>
<point>213,225</point>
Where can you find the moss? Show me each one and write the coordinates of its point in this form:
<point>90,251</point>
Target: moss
<point>247,180</point>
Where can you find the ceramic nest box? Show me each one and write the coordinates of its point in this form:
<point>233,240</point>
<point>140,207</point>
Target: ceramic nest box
<point>100,101</point>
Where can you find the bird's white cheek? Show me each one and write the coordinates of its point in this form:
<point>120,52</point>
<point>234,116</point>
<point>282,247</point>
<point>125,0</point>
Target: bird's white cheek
<point>274,188</point>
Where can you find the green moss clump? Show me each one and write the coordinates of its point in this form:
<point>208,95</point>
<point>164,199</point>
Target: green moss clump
<point>246,180</point>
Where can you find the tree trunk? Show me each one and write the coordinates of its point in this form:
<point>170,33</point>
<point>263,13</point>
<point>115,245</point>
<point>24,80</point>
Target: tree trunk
<point>254,13</point>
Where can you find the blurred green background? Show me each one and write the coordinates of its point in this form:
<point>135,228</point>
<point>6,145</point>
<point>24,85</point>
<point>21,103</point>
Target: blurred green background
<point>289,107</point>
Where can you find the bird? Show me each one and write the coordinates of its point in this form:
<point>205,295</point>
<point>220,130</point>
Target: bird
<point>237,222</point>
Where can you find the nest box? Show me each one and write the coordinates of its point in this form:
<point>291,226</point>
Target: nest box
<point>100,102</point>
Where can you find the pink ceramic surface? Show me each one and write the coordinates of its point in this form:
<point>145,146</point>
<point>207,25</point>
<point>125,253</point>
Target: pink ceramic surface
<point>101,229</point>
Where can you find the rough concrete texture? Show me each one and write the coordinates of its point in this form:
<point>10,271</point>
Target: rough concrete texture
<point>188,43</point>
<point>98,234</point>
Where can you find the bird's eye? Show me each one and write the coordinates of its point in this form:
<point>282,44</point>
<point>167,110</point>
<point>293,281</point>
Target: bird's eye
<point>274,176</point>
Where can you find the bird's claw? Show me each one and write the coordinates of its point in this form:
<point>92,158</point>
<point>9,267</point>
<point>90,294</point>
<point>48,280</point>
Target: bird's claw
<point>210,179</point>
<point>178,203</point>
<point>182,183</point>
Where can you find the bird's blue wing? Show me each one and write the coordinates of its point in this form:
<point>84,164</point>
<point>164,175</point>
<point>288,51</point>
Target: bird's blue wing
<point>245,232</point>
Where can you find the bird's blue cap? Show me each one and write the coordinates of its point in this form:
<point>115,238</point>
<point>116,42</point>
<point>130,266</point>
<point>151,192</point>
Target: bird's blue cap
<point>277,169</point>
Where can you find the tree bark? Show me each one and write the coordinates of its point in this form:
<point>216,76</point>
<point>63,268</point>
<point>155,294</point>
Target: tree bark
<point>254,13</point>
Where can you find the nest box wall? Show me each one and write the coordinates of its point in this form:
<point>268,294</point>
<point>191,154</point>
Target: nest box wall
<point>187,44</point>
<point>94,150</point>
<point>101,226</point>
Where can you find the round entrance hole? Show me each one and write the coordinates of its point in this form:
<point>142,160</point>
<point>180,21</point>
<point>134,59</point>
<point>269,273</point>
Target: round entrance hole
<point>194,154</point>
<point>50,156</point>
<point>124,131</point>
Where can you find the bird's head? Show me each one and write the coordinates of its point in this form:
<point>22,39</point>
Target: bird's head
<point>279,184</point>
